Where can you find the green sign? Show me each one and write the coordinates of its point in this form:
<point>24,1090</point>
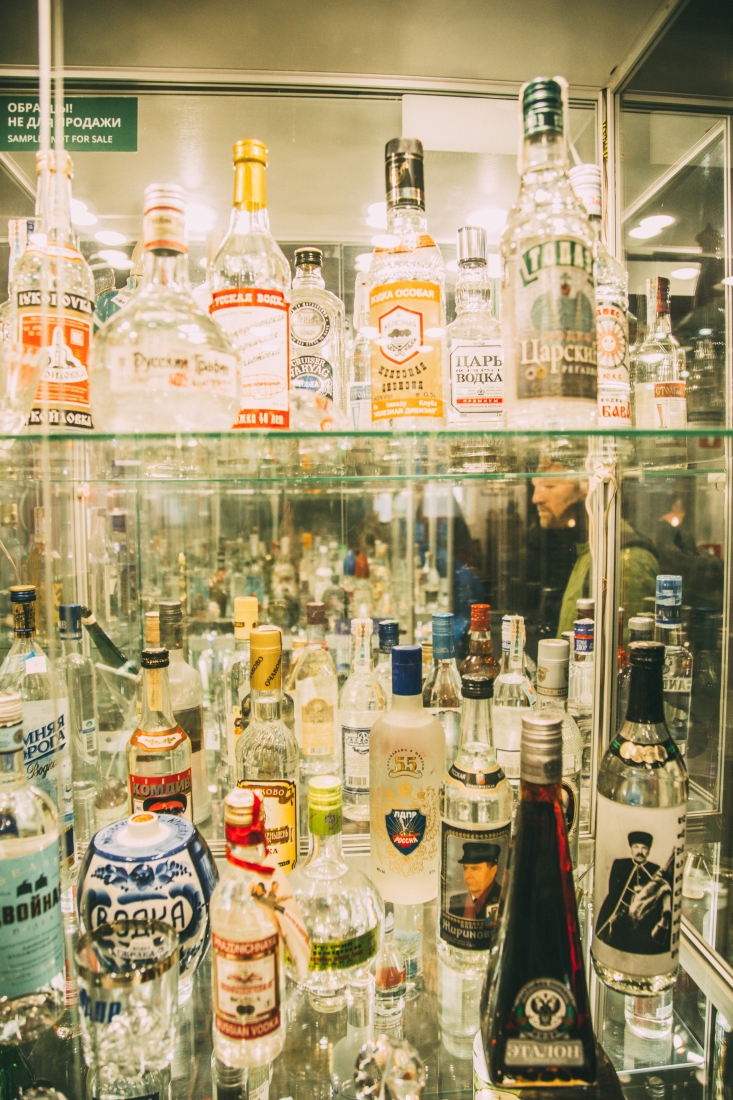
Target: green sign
<point>91,123</point>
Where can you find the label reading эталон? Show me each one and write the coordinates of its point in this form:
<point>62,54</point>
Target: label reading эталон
<point>407,372</point>
<point>476,380</point>
<point>31,931</point>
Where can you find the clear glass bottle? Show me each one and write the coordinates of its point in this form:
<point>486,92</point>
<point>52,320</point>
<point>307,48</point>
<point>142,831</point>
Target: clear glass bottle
<point>160,363</point>
<point>187,702</point>
<point>658,386</point>
<point>548,296</point>
<point>341,909</point>
<point>250,280</point>
<point>390,983</point>
<point>106,648</point>
<point>513,692</point>
<point>102,573</point>
<point>553,660</point>
<point>53,261</point>
<point>677,658</point>
<point>32,975</point>
<point>407,303</point>
<point>480,658</point>
<point>235,674</point>
<point>475,351</point>
<point>267,752</point>
<point>640,840</point>
<point>358,387</point>
<point>389,637</point>
<point>248,971</point>
<point>8,575</point>
<point>581,694</point>
<point>47,747</point>
<point>476,811</point>
<point>316,706</point>
<point>442,690</point>
<point>19,232</point>
<point>317,338</point>
<point>612,306</point>
<point>159,751</point>
<point>81,684</point>
<point>359,1030</point>
<point>705,385</point>
<point>361,702</point>
<point>43,553</point>
<point>640,630</point>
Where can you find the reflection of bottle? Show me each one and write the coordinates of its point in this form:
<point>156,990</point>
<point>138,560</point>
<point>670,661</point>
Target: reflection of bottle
<point>389,636</point>
<point>316,332</point>
<point>316,701</point>
<point>391,982</point>
<point>513,692</point>
<point>8,575</point>
<point>677,658</point>
<point>360,703</point>
<point>658,388</point>
<point>580,698</point>
<point>442,688</point>
<point>480,656</point>
<point>38,557</point>
<point>81,684</point>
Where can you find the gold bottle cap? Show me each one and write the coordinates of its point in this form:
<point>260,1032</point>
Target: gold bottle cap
<point>266,658</point>
<point>246,613</point>
<point>250,149</point>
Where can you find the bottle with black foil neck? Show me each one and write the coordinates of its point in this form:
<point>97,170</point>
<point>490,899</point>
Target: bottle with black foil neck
<point>640,840</point>
<point>535,1018</point>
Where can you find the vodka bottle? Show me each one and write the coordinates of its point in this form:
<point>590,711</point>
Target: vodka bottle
<point>536,1022</point>
<point>159,751</point>
<point>640,630</point>
<point>102,572</point>
<point>42,554</point>
<point>248,972</point>
<point>581,688</point>
<point>317,335</point>
<point>406,762</point>
<point>389,637</point>
<point>677,658</point>
<point>31,932</point>
<point>341,909</point>
<point>106,648</point>
<point>553,658</point>
<point>479,658</point>
<point>316,704</point>
<point>19,232</point>
<point>161,364</point>
<point>51,263</point>
<point>658,387</point>
<point>548,294</point>
<point>612,305</point>
<point>250,278</point>
<point>359,1030</point>
<point>358,388</point>
<point>235,674</point>
<point>267,752</point>
<point>47,748</point>
<point>705,385</point>
<point>640,840</point>
<point>360,704</point>
<point>475,352</point>
<point>407,302</point>
<point>187,702</point>
<point>81,685</point>
<point>442,689</point>
<point>513,692</point>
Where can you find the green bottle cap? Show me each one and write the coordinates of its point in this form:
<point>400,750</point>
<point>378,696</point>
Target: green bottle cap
<point>542,107</point>
<point>324,805</point>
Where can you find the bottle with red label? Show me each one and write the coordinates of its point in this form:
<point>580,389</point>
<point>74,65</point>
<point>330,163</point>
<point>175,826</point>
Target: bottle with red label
<point>250,280</point>
<point>53,291</point>
<point>159,752</point>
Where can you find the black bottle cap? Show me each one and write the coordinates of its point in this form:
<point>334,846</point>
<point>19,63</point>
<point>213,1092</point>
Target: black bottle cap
<point>154,658</point>
<point>646,653</point>
<point>312,256</point>
<point>542,107</point>
<point>477,687</point>
<point>403,165</point>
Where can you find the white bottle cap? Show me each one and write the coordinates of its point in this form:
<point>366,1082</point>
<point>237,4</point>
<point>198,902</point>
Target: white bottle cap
<point>141,829</point>
<point>586,183</point>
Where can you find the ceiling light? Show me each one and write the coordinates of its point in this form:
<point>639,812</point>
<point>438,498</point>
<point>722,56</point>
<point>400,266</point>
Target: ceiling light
<point>706,332</point>
<point>377,216</point>
<point>385,240</point>
<point>117,259</point>
<point>378,208</point>
<point>363,261</point>
<point>84,217</point>
<point>490,218</point>
<point>199,218</point>
<point>685,273</point>
<point>38,239</point>
<point>658,221</point>
<point>110,236</point>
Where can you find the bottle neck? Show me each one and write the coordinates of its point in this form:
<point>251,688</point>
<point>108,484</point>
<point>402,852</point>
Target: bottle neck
<point>315,633</point>
<point>480,643</point>
<point>171,638</point>
<point>554,701</point>
<point>249,221</point>
<point>544,152</point>
<point>384,658</point>
<point>241,645</point>
<point>646,700</point>
<point>266,705</point>
<point>166,269</point>
<point>473,289</point>
<point>250,192</point>
<point>407,222</point>
<point>241,853</point>
<point>156,713</point>
<point>56,208</point>
<point>325,847</point>
<point>406,702</point>
<point>362,653</point>
<point>70,647</point>
<point>476,722</point>
<point>660,322</point>
<point>310,275</point>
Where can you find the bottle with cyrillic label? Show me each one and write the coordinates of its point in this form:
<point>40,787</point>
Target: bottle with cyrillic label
<point>361,702</point>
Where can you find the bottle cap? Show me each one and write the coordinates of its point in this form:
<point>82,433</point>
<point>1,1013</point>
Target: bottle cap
<point>646,653</point>
<point>154,658</point>
<point>9,516</point>
<point>407,670</point>
<point>472,245</point>
<point>389,635</point>
<point>542,107</point>
<point>250,149</point>
<point>142,827</point>
<point>584,635</point>
<point>312,256</point>
<point>553,657</point>
<point>477,687</point>
<point>324,805</point>
<point>22,593</point>
<point>164,219</point>
<point>668,601</point>
<point>586,183</point>
<point>443,639</point>
<point>641,628</point>
<point>23,604</point>
<point>152,629</point>
<point>541,752</point>
<point>315,614</point>
<point>403,164</point>
<point>70,622</point>
<point>170,611</point>
<point>265,644</point>
<point>349,563</point>
<point>246,612</point>
<point>362,626</point>
<point>242,807</point>
<point>481,616</point>
<point>657,297</point>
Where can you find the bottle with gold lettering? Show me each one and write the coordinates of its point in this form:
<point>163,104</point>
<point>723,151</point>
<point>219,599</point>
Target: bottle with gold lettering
<point>267,752</point>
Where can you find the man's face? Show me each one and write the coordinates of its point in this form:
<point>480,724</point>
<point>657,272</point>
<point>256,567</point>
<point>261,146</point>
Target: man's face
<point>639,853</point>
<point>478,877</point>
<point>554,497</point>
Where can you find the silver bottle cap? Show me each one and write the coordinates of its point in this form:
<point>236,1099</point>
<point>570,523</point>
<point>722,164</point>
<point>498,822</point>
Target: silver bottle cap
<point>472,245</point>
<point>541,754</point>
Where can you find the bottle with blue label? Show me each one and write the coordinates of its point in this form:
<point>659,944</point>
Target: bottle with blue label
<point>442,691</point>
<point>669,630</point>
<point>81,684</point>
<point>31,928</point>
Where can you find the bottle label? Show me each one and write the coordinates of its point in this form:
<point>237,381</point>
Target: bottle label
<point>256,320</point>
<point>359,405</point>
<point>476,379</point>
<point>554,301</point>
<point>89,736</point>
<point>612,330</point>
<point>309,324</point>
<point>64,380</point>
<point>638,887</point>
<point>407,355</point>
<point>545,1015</point>
<point>31,929</point>
<point>478,780</point>
<point>46,748</point>
<point>356,758</point>
<point>312,373</point>
<point>472,866</point>
<point>614,405</point>
<point>163,794</point>
<point>180,368</point>
<point>340,955</point>
<point>11,737</point>
<point>660,405</point>
<point>246,987</point>
<point>281,813</point>
<point>317,719</point>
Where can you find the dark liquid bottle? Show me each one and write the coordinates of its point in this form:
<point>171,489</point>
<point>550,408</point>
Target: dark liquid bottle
<point>480,660</point>
<point>536,1020</point>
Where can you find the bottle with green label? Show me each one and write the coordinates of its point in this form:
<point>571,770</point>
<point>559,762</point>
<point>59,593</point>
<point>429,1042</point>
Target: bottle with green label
<point>341,909</point>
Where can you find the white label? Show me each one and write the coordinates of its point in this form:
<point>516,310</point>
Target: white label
<point>356,759</point>
<point>476,380</point>
<point>660,405</point>
<point>638,887</point>
<point>614,404</point>
<point>35,664</point>
<point>89,736</point>
<point>46,748</point>
<point>177,369</point>
<point>359,405</point>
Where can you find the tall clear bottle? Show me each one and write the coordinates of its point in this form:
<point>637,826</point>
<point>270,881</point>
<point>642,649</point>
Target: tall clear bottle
<point>236,674</point>
<point>389,637</point>
<point>513,692</point>
<point>581,692</point>
<point>250,280</point>
<point>548,294</point>
<point>553,659</point>
<point>361,702</point>
<point>81,685</point>
<point>677,658</point>
<point>407,303</point>
<point>612,305</point>
<point>47,742</point>
<point>54,262</point>
<point>160,363</point>
<point>658,386</point>
<point>32,975</point>
<point>317,338</point>
<point>19,230</point>
<point>442,689</point>
<point>358,387</point>
<point>316,705</point>
<point>475,350</point>
<point>640,840</point>
<point>43,554</point>
<point>267,752</point>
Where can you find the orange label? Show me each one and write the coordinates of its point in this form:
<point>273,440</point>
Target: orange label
<point>64,381</point>
<point>407,351</point>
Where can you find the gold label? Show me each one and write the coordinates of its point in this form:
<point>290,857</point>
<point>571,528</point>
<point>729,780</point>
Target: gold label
<point>407,355</point>
<point>280,802</point>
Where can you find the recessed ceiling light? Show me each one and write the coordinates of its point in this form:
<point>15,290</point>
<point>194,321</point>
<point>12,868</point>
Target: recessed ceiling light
<point>117,259</point>
<point>706,332</point>
<point>685,273</point>
<point>377,217</point>
<point>78,207</point>
<point>385,240</point>
<point>199,218</point>
<point>490,218</point>
<point>84,217</point>
<point>649,227</point>
<point>110,236</point>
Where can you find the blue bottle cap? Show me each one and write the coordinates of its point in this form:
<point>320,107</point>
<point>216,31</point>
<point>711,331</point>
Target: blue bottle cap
<point>668,601</point>
<point>443,641</point>
<point>389,635</point>
<point>584,635</point>
<point>407,670</point>
<point>70,622</point>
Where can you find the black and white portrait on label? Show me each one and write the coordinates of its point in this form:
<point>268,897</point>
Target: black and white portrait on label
<point>636,914</point>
